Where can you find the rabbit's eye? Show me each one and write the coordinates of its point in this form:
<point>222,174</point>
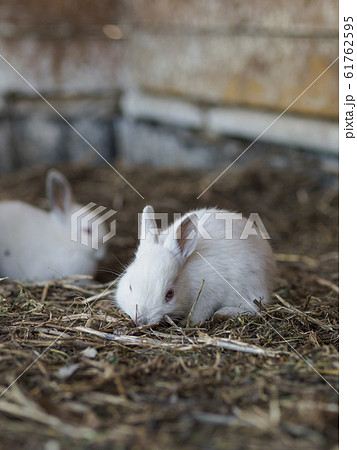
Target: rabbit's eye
<point>130,288</point>
<point>88,230</point>
<point>169,295</point>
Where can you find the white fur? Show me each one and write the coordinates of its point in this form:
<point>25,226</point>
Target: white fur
<point>168,262</point>
<point>36,245</point>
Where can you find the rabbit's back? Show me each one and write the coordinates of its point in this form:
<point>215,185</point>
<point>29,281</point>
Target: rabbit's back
<point>236,270</point>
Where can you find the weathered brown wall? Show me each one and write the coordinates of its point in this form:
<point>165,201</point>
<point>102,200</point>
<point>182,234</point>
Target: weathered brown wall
<point>258,54</point>
<point>59,46</point>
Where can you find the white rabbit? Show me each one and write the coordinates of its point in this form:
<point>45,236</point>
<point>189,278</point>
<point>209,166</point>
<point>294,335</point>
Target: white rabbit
<point>37,245</point>
<point>169,267</point>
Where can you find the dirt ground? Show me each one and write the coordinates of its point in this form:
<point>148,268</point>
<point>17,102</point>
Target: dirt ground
<point>168,387</point>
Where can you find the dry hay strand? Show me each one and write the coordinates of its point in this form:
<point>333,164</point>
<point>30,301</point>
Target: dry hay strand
<point>174,387</point>
<point>86,373</point>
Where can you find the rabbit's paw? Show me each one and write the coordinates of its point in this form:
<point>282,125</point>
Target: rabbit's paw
<point>227,312</point>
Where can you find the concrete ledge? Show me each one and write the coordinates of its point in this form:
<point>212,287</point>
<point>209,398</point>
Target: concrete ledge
<point>169,111</point>
<point>302,132</point>
<point>306,133</point>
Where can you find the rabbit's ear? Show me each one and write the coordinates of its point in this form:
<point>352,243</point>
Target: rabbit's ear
<point>185,237</point>
<point>148,230</point>
<point>59,193</point>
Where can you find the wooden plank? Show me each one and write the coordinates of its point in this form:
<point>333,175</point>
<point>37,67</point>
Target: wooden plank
<point>69,66</point>
<point>260,72</point>
<point>285,15</point>
<point>75,13</point>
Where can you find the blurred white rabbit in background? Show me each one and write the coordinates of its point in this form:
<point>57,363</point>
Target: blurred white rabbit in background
<point>36,244</point>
